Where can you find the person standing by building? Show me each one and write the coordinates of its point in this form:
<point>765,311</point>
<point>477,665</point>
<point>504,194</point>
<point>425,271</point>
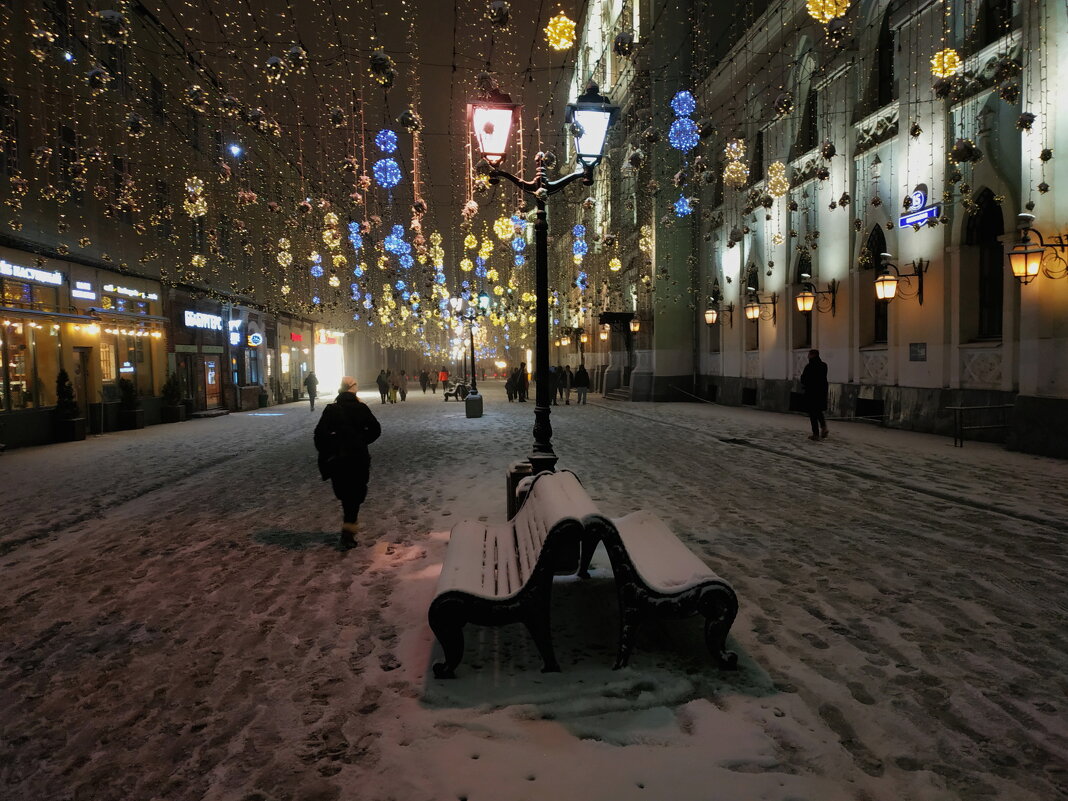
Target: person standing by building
<point>523,385</point>
<point>311,383</point>
<point>569,381</point>
<point>511,385</point>
<point>383,384</point>
<point>814,383</point>
<point>582,385</point>
<point>345,429</point>
<point>433,379</point>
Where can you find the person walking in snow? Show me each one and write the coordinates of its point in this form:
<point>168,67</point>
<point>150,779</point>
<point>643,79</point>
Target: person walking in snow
<point>424,379</point>
<point>383,384</point>
<point>568,379</point>
<point>581,384</point>
<point>814,382</point>
<point>510,386</point>
<point>392,381</point>
<point>341,437</point>
<point>523,385</point>
<point>311,383</point>
<point>402,385</point>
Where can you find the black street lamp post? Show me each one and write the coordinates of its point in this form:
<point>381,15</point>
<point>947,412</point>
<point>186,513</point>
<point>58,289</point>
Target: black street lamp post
<point>588,119</point>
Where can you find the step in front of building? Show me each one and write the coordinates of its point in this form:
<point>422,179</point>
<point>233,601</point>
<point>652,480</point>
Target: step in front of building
<point>618,394</point>
<point>209,413</point>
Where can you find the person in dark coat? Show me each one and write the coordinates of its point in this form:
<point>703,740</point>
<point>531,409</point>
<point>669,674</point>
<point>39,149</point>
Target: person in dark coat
<point>344,431</point>
<point>814,382</point>
<point>510,386</point>
<point>582,385</point>
<point>311,383</point>
<point>523,386</point>
<point>383,384</point>
<point>424,379</point>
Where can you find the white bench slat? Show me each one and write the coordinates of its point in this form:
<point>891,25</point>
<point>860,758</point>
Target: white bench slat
<point>662,560</point>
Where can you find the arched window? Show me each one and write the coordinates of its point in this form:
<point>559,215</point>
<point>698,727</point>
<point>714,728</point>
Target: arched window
<point>807,135</point>
<point>802,321</point>
<point>756,169</point>
<point>874,315</point>
<point>993,21</point>
<point>752,327</point>
<point>983,270</point>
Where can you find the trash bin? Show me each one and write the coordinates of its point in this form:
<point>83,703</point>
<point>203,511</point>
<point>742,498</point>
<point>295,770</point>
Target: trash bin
<point>296,395</point>
<point>473,404</point>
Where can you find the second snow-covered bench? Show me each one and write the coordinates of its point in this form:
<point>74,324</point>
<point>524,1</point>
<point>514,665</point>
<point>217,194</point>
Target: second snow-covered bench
<point>656,574</point>
<point>498,574</point>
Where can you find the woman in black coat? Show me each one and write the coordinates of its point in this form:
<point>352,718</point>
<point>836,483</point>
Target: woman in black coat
<point>344,431</point>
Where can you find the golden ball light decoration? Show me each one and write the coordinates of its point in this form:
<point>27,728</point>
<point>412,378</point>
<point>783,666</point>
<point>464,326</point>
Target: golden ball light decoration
<point>504,229</point>
<point>560,32</point>
<point>615,265</point>
<point>946,63</point>
<point>778,185</point>
<point>823,11</point>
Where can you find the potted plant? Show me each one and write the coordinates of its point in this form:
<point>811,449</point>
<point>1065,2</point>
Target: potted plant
<point>70,425</point>
<point>131,415</point>
<point>172,411</point>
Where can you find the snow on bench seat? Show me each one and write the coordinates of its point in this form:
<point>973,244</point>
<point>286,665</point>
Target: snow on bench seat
<point>497,574</point>
<point>665,564</point>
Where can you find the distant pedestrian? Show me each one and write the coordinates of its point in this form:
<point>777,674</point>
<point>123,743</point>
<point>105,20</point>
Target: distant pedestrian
<point>383,384</point>
<point>523,385</point>
<point>510,386</point>
<point>433,382</point>
<point>814,382</point>
<point>581,383</point>
<point>424,379</point>
<point>392,380</point>
<point>311,383</point>
<point>342,435</point>
<point>402,385</point>
<point>569,381</point>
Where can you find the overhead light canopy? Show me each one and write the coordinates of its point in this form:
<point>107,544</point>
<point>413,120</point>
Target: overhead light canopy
<point>491,119</point>
<point>589,118</point>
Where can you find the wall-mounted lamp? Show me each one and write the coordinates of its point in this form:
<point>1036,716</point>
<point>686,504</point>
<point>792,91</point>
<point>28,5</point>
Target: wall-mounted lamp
<point>715,306</point>
<point>886,284</point>
<point>1026,256</point>
<point>635,325</point>
<point>822,300</point>
<point>757,309</point>
<point>604,336</point>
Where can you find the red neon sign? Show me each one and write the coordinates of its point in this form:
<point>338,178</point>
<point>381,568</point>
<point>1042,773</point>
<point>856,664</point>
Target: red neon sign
<point>296,337</point>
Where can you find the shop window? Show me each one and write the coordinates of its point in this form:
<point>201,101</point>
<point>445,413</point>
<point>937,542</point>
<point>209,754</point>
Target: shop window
<point>9,133</point>
<point>18,368</point>
<point>874,314</point>
<point>107,361</point>
<point>45,361</point>
<point>18,294</point>
<point>252,357</point>
<point>983,271</point>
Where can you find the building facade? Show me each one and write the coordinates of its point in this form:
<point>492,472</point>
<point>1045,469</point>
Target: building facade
<point>897,143</point>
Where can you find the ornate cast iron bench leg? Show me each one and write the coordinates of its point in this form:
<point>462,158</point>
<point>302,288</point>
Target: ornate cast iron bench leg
<point>719,609</point>
<point>447,622</point>
<point>629,615</point>
<point>537,622</point>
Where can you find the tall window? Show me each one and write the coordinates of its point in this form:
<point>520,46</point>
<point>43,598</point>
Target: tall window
<point>807,135</point>
<point>752,327</point>
<point>756,169</point>
<point>9,132</point>
<point>885,80</point>
<point>157,98</point>
<point>993,22</point>
<point>987,268</point>
<point>802,322</point>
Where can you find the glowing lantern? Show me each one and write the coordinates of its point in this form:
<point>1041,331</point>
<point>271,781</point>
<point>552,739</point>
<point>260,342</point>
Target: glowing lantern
<point>1025,258</point>
<point>711,315</point>
<point>886,286</point>
<point>805,299</point>
<point>752,310</point>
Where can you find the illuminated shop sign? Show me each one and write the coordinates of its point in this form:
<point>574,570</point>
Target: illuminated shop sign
<point>130,293</point>
<point>919,212</point>
<point>30,273</point>
<point>127,367</point>
<point>255,340</point>
<point>296,337</point>
<point>235,331</point>
<point>83,290</point>
<point>211,322</point>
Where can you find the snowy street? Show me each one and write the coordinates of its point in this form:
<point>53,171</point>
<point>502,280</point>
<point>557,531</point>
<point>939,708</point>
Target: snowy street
<point>179,624</point>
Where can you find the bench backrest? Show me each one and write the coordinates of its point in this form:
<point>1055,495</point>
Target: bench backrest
<point>553,498</point>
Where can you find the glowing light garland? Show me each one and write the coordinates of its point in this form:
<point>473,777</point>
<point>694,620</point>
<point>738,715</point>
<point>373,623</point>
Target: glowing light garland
<point>386,141</point>
<point>387,173</point>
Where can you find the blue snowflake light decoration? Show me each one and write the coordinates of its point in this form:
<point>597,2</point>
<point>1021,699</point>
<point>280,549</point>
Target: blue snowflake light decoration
<point>683,104</point>
<point>583,281</point>
<point>519,244</point>
<point>406,261</point>
<point>683,134</point>
<point>386,140</point>
<point>356,316</point>
<point>316,300</point>
<point>440,278</point>
<point>520,260</point>
<point>580,248</point>
<point>387,173</point>
<point>355,238</point>
<point>683,207</point>
<point>316,270</point>
<point>579,230</point>
<point>358,271</point>
<point>400,285</point>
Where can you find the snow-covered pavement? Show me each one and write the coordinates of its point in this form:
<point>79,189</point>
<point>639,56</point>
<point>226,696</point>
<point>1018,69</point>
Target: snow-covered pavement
<point>178,623</point>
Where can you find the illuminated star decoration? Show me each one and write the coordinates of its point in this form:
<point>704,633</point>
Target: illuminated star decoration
<point>683,207</point>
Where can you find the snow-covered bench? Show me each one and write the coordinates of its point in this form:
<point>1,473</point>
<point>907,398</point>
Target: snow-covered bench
<point>656,574</point>
<point>497,574</point>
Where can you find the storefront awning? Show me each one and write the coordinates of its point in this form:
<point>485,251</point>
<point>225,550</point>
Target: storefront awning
<point>128,316</point>
<point>12,311</point>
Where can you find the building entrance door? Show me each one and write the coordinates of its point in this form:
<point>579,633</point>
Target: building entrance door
<point>212,388</point>
<point>80,379</point>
